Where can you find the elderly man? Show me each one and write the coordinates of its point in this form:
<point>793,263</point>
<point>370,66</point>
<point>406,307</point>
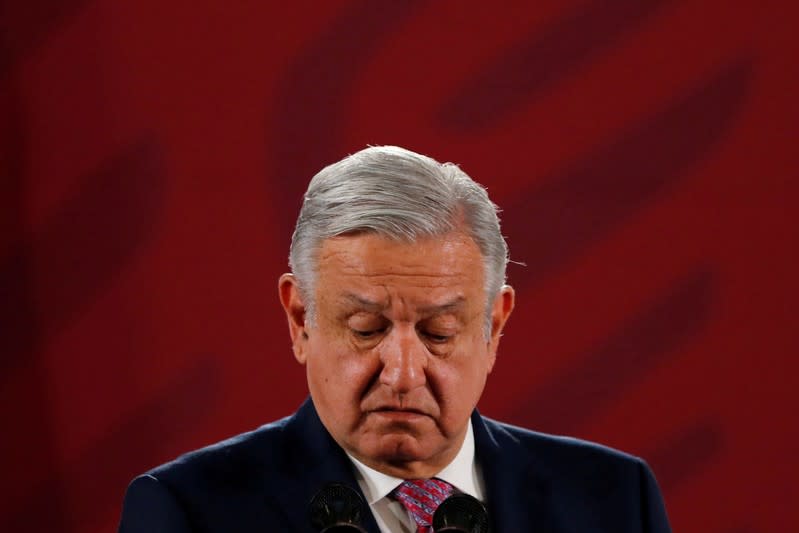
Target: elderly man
<point>395,306</point>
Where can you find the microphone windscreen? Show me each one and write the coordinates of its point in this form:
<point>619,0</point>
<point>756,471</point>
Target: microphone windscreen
<point>461,513</point>
<point>337,508</point>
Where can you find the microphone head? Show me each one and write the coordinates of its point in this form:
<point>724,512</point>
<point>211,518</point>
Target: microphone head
<point>336,508</point>
<point>461,513</point>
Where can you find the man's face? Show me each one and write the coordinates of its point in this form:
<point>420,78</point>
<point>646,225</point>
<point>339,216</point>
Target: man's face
<point>397,358</point>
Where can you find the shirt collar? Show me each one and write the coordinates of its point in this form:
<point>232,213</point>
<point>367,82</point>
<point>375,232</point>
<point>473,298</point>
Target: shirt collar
<point>460,473</point>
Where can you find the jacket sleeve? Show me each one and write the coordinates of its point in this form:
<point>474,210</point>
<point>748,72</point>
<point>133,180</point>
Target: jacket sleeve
<point>150,507</point>
<point>653,510</point>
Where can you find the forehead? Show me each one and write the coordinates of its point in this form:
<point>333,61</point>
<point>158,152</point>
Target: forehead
<point>429,269</point>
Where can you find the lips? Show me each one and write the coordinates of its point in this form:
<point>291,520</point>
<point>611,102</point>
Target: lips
<point>390,404</point>
<point>400,415</point>
<point>408,410</point>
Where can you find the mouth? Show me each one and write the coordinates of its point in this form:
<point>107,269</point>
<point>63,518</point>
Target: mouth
<point>397,414</point>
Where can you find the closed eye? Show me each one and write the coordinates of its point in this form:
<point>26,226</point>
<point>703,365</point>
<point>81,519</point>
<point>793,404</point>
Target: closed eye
<point>367,334</point>
<point>435,338</point>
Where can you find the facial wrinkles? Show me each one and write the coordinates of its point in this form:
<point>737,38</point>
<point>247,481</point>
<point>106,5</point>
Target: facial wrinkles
<point>395,260</point>
<point>415,309</point>
<point>400,381</point>
<point>403,289</point>
<point>370,269</point>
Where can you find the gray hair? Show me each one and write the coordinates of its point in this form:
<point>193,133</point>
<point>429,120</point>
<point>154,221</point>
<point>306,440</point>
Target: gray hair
<point>401,195</point>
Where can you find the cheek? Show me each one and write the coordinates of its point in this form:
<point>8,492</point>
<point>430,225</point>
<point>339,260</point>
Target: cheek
<point>337,368</point>
<point>460,380</point>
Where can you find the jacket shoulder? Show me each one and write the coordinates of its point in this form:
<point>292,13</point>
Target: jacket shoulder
<point>547,445</point>
<point>221,487</point>
<point>589,486</point>
<point>568,463</point>
<point>241,459</point>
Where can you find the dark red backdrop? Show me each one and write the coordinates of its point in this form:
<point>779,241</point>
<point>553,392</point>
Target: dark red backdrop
<point>153,158</point>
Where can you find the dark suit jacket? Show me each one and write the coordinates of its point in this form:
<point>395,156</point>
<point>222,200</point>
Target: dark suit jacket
<point>262,481</point>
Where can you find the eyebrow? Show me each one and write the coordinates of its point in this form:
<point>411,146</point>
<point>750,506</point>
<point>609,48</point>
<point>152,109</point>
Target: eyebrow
<point>447,307</point>
<point>358,301</point>
<point>373,306</point>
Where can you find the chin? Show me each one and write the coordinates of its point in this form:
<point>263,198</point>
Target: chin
<point>398,449</point>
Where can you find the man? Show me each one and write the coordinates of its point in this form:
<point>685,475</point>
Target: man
<point>395,305</point>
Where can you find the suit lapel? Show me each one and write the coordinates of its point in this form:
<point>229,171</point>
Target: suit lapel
<point>516,495</point>
<point>313,459</point>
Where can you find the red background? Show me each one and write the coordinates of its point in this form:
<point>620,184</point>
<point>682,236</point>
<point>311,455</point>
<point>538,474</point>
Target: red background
<point>153,159</point>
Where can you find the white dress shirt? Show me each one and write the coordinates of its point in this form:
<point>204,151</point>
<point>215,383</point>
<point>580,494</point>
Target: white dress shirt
<point>463,473</point>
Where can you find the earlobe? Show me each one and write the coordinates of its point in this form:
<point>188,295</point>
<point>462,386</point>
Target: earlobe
<point>291,300</point>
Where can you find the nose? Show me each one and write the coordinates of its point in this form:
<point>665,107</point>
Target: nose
<point>404,358</point>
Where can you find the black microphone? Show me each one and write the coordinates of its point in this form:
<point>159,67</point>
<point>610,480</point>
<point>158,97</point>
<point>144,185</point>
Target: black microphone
<point>461,513</point>
<point>337,508</point>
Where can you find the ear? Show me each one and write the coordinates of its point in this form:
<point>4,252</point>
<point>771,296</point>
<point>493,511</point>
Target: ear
<point>500,312</point>
<point>291,299</point>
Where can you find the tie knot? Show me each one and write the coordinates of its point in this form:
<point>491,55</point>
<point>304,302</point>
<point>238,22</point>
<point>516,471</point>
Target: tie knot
<point>421,497</point>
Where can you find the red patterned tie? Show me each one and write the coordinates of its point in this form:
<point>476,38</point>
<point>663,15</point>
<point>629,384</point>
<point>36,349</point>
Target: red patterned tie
<point>421,497</point>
